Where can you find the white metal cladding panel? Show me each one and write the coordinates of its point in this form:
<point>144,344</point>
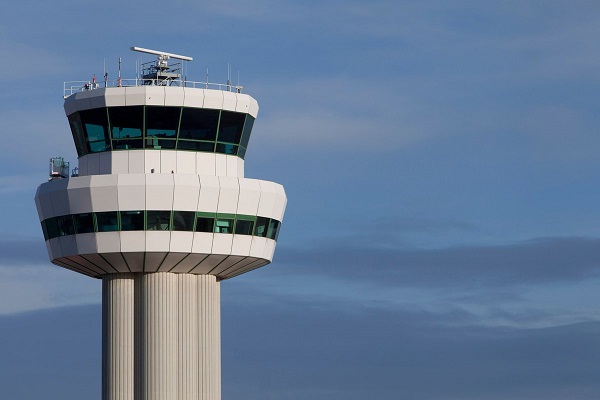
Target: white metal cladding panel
<point>249,196</point>
<point>59,197</point>
<point>253,110</point>
<point>93,164</point>
<point>69,105</point>
<point>213,99</point>
<point>174,96</point>
<point>258,246</point>
<point>232,165</point>
<point>268,193</point>
<point>44,195</point>
<point>159,191</point>
<point>86,243</point>
<point>55,250</point>
<point>136,161</point>
<point>152,160</point>
<point>193,97</point>
<point>240,167</point>
<point>205,163</point>
<point>82,100</point>
<point>155,95</point>
<point>243,103</point>
<point>120,162</point>
<point>229,101</point>
<point>38,205</point>
<point>158,240</point>
<point>186,192</point>
<point>241,245</point>
<point>104,161</point>
<point>269,250</point>
<point>80,197</point>
<point>104,191</point>
<point>222,243</point>
<point>202,242</point>
<point>228,195</point>
<point>132,241</point>
<point>115,97</point>
<point>209,194</point>
<point>49,250</point>
<point>220,165</point>
<point>82,165</point>
<point>108,242</point>
<point>132,192</point>
<point>189,337</point>
<point>186,162</point>
<point>97,98</point>
<point>280,203</point>
<point>168,161</point>
<point>68,245</point>
<point>135,95</point>
<point>181,242</point>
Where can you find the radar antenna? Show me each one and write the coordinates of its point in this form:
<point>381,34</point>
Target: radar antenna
<point>161,72</point>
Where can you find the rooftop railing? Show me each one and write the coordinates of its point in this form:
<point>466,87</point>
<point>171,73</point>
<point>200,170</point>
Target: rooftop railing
<point>73,87</point>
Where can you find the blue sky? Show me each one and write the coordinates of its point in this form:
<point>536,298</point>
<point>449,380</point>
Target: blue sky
<point>442,235</point>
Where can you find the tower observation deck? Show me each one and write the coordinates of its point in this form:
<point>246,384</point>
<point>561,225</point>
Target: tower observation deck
<point>160,211</point>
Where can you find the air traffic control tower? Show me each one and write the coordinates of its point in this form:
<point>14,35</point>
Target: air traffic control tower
<point>159,210</point>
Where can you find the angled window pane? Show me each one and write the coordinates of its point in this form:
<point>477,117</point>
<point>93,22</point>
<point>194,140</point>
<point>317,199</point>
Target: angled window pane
<point>197,146</point>
<point>162,122</point>
<point>226,149</point>
<point>204,224</point>
<point>243,227</point>
<point>261,227</point>
<point>107,221</point>
<point>224,225</point>
<point>84,223</point>
<point>95,124</point>
<point>126,126</point>
<point>248,124</point>
<point>132,220</point>
<point>183,220</point>
<point>158,220</point>
<point>199,124</point>
<point>65,225</point>
<point>78,134</point>
<point>230,127</point>
<point>50,226</point>
<point>273,231</point>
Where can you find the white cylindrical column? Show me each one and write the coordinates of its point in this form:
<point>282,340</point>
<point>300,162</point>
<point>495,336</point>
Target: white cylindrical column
<point>189,344</point>
<point>209,328</point>
<point>117,337</point>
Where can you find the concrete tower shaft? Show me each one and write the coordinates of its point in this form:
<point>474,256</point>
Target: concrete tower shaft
<point>161,212</point>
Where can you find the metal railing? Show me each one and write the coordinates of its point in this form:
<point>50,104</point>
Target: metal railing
<point>72,87</point>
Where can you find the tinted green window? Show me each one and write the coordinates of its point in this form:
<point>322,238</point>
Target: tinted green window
<point>273,231</point>
<point>226,149</point>
<point>126,126</point>
<point>183,220</point>
<point>204,224</point>
<point>230,127</point>
<point>84,223</point>
<point>199,124</point>
<point>261,227</point>
<point>162,122</point>
<point>197,146</point>
<point>224,225</point>
<point>95,126</point>
<point>247,130</point>
<point>243,227</point>
<point>107,221</point>
<point>132,220</point>
<point>65,225</point>
<point>158,220</point>
<point>50,228</point>
<point>78,135</point>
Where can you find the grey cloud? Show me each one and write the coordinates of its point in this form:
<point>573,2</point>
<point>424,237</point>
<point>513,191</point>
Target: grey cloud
<point>22,251</point>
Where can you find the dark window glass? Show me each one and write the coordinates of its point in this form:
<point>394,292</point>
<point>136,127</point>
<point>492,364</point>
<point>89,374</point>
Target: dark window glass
<point>51,227</point>
<point>162,122</point>
<point>158,220</point>
<point>242,153</point>
<point>78,135</point>
<point>247,130</point>
<point>126,126</point>
<point>197,146</point>
<point>65,225</point>
<point>84,223</point>
<point>273,231</point>
<point>183,220</point>
<point>95,124</point>
<point>226,149</point>
<point>224,225</point>
<point>261,227</point>
<point>243,227</point>
<point>132,220</point>
<point>107,221</point>
<point>204,224</point>
<point>199,124</point>
<point>230,127</point>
